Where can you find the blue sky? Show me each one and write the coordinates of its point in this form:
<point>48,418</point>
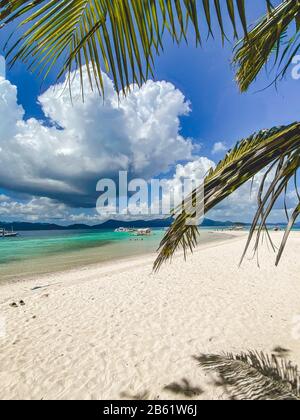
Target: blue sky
<point>219,113</point>
<point>206,77</point>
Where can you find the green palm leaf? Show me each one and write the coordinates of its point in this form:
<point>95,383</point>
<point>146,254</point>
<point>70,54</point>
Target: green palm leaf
<point>255,376</point>
<point>120,37</point>
<point>273,36</point>
<point>279,147</point>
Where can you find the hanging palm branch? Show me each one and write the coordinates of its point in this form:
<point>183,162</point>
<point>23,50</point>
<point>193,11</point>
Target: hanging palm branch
<point>287,167</point>
<point>120,37</point>
<point>274,36</point>
<point>275,148</point>
<point>255,376</point>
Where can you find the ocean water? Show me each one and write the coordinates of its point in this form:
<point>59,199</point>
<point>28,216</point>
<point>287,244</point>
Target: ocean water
<point>42,252</point>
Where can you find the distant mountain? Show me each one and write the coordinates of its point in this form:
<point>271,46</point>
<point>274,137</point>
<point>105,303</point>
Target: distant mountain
<point>114,224</point>
<point>23,226</point>
<point>110,224</point>
<point>214,223</point>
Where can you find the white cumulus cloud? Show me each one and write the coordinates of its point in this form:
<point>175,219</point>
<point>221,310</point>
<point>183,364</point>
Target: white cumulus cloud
<point>54,168</point>
<point>89,140</point>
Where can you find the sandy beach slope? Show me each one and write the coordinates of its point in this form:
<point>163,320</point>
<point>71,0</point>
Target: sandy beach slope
<point>119,331</point>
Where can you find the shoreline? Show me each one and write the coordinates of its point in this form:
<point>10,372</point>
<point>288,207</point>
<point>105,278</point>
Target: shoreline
<point>111,262</point>
<point>123,332</point>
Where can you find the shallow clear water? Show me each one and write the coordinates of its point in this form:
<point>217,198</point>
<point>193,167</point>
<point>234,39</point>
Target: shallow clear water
<point>51,251</point>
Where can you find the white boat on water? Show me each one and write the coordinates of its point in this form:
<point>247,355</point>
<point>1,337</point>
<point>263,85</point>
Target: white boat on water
<point>120,230</point>
<point>144,232</point>
<point>136,232</point>
<point>5,234</point>
<point>124,230</point>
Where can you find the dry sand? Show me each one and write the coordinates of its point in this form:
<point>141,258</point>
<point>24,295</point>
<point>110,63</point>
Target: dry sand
<point>119,331</point>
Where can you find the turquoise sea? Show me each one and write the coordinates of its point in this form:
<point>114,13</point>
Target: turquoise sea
<point>41,252</point>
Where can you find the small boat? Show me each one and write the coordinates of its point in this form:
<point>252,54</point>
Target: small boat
<point>120,229</point>
<point>124,230</point>
<point>5,234</point>
<point>144,232</point>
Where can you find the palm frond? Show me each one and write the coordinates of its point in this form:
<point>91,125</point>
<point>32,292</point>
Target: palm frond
<point>273,36</point>
<point>286,168</point>
<point>255,376</point>
<point>120,37</point>
<point>279,146</point>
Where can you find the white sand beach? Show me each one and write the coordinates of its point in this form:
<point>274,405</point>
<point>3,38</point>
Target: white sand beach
<point>119,331</point>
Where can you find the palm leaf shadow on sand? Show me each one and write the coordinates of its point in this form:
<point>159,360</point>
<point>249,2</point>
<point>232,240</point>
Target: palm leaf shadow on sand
<point>254,376</point>
<point>184,388</point>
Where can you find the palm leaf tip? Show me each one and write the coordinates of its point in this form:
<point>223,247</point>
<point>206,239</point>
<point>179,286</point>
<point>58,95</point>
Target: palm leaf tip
<point>273,37</point>
<point>277,146</point>
<point>254,376</point>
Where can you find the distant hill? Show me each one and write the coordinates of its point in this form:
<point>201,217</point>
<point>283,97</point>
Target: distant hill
<point>30,226</point>
<point>110,224</point>
<point>215,223</point>
<point>157,223</point>
<point>114,224</point>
